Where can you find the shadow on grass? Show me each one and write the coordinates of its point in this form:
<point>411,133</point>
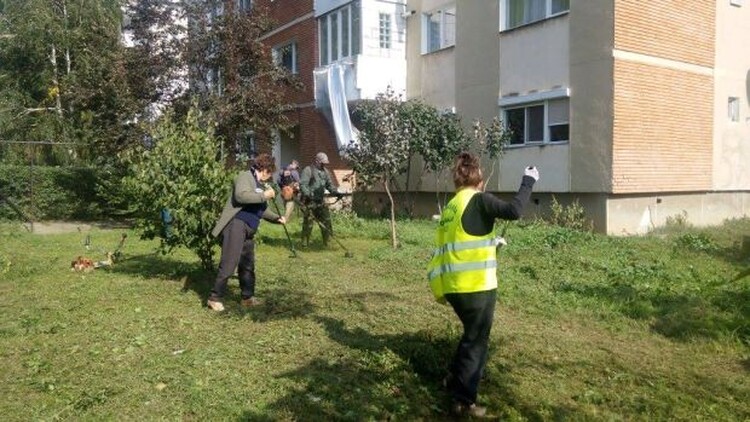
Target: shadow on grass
<point>709,313</point>
<point>395,377</point>
<point>154,265</point>
<point>279,303</point>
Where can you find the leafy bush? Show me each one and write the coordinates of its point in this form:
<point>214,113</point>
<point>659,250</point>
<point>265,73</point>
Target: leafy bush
<point>182,179</point>
<point>677,221</point>
<point>699,242</point>
<point>45,193</point>
<point>571,216</point>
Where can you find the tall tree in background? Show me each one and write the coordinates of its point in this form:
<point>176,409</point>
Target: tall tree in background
<point>227,55</point>
<point>62,76</point>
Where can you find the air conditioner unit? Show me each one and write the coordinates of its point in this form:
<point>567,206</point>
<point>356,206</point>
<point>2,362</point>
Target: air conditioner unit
<point>737,3</point>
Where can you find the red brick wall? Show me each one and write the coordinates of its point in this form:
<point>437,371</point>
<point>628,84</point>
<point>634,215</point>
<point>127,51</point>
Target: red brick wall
<point>316,134</point>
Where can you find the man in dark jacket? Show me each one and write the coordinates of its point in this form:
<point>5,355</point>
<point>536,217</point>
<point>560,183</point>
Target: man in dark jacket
<point>314,182</point>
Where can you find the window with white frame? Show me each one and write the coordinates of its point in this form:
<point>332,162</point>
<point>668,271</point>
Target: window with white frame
<point>385,30</point>
<point>438,29</point>
<point>538,123</point>
<point>286,56</point>
<point>522,12</point>
<point>734,109</point>
<point>340,33</point>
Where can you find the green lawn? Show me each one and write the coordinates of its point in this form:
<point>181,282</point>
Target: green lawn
<point>587,327</point>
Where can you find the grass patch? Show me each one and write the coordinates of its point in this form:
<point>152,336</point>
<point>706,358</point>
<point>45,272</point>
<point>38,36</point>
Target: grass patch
<point>588,327</point>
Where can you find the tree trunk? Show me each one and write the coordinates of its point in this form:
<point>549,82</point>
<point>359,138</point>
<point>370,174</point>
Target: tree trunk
<point>394,241</point>
<point>67,47</point>
<point>55,81</point>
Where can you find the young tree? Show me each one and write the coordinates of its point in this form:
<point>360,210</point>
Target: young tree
<point>491,139</point>
<point>182,178</point>
<point>382,151</point>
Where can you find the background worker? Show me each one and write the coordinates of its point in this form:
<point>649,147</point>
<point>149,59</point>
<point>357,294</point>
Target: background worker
<point>463,271</point>
<point>239,222</point>
<point>288,181</point>
<point>314,181</point>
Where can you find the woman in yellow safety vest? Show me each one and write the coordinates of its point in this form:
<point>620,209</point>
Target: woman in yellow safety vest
<point>463,271</point>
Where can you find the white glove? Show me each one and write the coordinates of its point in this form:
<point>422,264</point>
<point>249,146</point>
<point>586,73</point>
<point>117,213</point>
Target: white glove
<point>531,171</point>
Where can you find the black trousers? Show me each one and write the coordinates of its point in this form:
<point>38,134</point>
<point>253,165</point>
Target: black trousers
<point>475,310</point>
<point>237,251</point>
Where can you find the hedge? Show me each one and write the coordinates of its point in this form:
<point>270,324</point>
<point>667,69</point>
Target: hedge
<point>50,193</point>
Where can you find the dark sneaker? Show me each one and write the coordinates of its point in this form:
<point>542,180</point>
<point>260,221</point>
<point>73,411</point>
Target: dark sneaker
<point>215,305</point>
<point>472,410</point>
<point>251,301</point>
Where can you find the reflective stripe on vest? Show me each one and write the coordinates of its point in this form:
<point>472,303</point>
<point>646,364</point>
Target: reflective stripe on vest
<point>461,262</point>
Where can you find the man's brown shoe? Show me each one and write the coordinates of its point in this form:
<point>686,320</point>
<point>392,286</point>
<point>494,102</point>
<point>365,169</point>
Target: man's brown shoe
<point>251,302</point>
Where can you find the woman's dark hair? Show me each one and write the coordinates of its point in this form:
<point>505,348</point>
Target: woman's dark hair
<point>264,162</point>
<point>466,171</point>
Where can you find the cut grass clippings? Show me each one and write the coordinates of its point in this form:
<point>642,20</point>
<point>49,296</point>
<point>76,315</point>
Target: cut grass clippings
<point>587,327</point>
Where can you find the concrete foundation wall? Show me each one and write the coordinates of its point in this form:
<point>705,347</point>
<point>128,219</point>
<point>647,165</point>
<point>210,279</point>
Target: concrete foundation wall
<point>638,214</point>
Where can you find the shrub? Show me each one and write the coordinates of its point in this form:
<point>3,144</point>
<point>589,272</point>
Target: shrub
<point>571,216</point>
<point>44,193</point>
<point>178,187</point>
<point>699,242</point>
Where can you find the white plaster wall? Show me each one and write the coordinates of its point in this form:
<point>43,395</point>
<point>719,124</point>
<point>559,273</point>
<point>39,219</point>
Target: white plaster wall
<point>732,79</point>
<point>438,84</point>
<point>552,161</point>
<point>378,68</point>
<point>375,74</point>
<point>432,76</point>
<point>535,57</point>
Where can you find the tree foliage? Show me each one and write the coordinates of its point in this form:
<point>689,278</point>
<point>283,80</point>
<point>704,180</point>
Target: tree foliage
<point>220,48</point>
<point>393,133</point>
<point>382,152</point>
<point>62,77</point>
<point>183,175</point>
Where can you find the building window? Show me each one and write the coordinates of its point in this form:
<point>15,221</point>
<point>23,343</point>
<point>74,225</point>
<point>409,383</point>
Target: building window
<point>522,12</point>
<point>244,5</point>
<point>439,29</point>
<point>545,122</point>
<point>385,30</point>
<point>339,33</point>
<point>734,109</point>
<point>286,56</point>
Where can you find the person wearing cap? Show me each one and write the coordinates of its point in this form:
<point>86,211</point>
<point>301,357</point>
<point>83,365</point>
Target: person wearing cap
<point>239,221</point>
<point>314,181</point>
<point>288,181</point>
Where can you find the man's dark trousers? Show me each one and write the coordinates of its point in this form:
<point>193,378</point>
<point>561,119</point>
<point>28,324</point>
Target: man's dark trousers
<point>475,310</point>
<point>237,251</point>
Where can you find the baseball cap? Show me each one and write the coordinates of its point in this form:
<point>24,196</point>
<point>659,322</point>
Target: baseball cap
<point>321,158</point>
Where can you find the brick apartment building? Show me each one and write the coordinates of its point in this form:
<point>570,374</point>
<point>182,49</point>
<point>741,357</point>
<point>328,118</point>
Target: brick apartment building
<point>638,109</point>
<point>343,51</point>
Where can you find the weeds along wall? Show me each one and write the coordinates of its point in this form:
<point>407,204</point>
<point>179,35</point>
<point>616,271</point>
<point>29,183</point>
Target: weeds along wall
<point>50,193</point>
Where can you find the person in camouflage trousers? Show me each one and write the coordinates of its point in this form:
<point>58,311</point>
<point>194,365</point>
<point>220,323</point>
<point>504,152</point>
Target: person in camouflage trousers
<point>314,181</point>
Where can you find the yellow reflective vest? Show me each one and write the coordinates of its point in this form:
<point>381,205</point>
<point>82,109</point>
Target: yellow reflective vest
<point>461,263</point>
